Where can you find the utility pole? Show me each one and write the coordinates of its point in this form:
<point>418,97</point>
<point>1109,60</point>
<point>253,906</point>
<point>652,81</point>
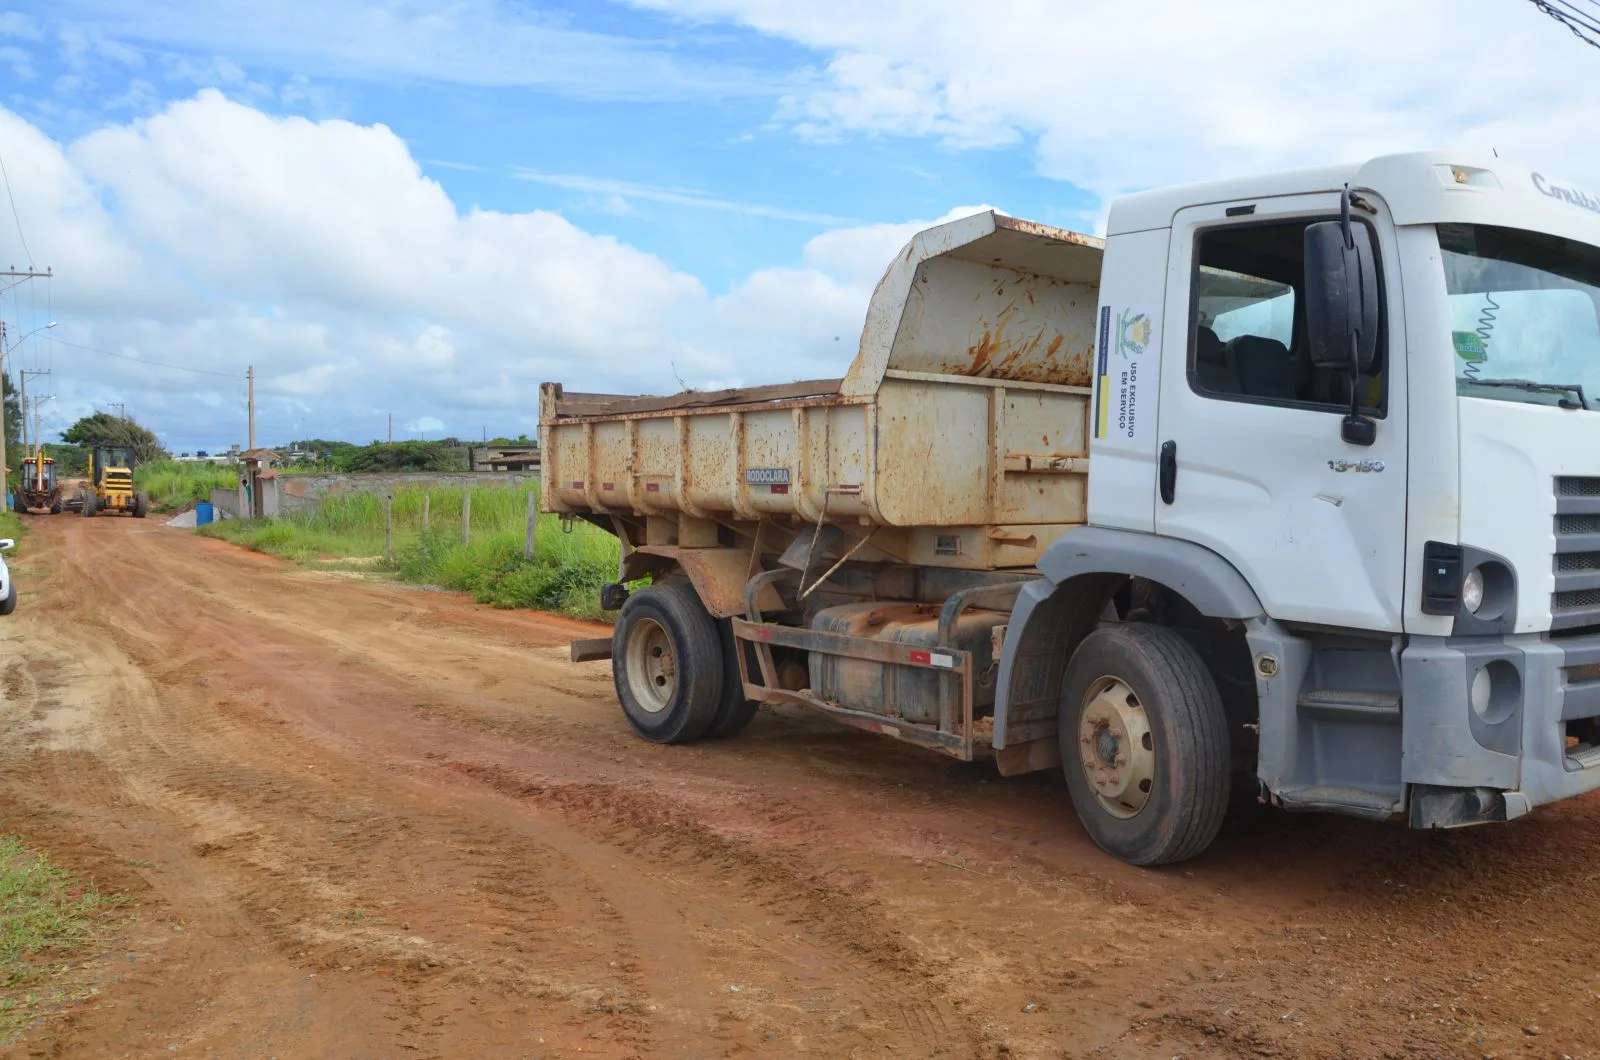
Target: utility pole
<point>5,348</point>
<point>391,428</point>
<point>121,407</point>
<point>38,468</point>
<point>250,377</point>
<point>24,374</point>
<point>37,431</point>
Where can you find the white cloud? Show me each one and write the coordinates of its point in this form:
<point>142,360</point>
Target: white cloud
<point>489,43</point>
<point>619,191</point>
<point>425,425</point>
<point>20,62</point>
<point>16,24</point>
<point>215,236</point>
<point>1114,98</point>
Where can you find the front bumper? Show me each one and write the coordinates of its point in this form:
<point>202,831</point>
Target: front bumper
<point>1534,738</point>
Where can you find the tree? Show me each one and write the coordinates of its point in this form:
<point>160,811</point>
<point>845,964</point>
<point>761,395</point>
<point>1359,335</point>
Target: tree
<point>400,456</point>
<point>13,422</point>
<point>102,428</point>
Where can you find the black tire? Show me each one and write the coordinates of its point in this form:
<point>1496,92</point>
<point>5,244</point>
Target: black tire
<point>55,506</point>
<point>9,604</point>
<point>667,622</point>
<point>141,506</point>
<point>734,712</point>
<point>90,503</point>
<point>1188,759</point>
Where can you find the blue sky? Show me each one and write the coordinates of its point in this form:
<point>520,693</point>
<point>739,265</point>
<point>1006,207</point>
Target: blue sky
<point>427,208</point>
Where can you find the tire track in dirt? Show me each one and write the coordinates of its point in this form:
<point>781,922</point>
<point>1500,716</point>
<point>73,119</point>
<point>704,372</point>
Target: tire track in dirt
<point>272,839</point>
<point>391,821</point>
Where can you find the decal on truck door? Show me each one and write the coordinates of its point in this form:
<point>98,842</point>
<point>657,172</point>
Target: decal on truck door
<point>1119,409</point>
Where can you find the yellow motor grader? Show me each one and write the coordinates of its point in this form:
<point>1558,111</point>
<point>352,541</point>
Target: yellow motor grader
<point>110,484</point>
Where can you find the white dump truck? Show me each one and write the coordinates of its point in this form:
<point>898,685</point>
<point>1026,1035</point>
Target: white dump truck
<point>1291,476</point>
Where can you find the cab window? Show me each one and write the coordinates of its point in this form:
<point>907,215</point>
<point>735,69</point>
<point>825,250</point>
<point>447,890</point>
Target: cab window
<point>1247,326</point>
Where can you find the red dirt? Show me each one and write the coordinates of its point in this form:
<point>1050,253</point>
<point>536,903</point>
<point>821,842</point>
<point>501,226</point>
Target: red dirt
<point>364,820</point>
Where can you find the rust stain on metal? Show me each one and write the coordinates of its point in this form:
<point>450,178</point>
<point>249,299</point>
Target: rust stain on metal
<point>1061,235</point>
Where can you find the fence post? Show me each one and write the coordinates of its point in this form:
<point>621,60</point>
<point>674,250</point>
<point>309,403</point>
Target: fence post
<point>425,498</point>
<point>533,520</point>
<point>466,518</point>
<point>388,529</point>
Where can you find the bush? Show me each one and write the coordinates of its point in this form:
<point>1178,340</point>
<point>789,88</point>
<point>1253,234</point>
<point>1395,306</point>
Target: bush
<point>171,485</point>
<point>564,575</point>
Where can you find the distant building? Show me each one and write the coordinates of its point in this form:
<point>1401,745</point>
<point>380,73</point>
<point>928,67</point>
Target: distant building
<point>503,457</point>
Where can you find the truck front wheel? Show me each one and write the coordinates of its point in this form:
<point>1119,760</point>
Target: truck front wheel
<point>667,664</point>
<point>1144,744</point>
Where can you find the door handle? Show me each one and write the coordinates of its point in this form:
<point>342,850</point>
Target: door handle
<point>1169,471</point>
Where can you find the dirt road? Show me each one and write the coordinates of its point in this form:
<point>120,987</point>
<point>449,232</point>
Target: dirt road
<point>360,820</point>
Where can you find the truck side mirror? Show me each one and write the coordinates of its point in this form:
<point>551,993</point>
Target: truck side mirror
<point>1342,309</point>
<point>1341,295</point>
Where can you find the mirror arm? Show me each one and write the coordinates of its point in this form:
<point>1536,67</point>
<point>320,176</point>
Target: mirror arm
<point>1356,428</point>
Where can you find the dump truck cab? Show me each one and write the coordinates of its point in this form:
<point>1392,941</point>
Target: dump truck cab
<point>1419,562</point>
<point>1295,476</point>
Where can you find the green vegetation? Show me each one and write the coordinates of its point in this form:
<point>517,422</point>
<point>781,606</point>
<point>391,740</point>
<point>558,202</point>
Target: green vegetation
<point>447,455</point>
<point>102,428</point>
<point>72,461</point>
<point>12,526</point>
<point>44,915</point>
<point>346,530</point>
<point>171,485</point>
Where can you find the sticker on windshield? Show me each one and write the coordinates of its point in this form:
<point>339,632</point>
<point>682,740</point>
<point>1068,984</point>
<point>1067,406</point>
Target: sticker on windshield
<point>1470,347</point>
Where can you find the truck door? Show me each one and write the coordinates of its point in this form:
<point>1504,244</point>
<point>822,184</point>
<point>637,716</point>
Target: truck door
<point>1252,463</point>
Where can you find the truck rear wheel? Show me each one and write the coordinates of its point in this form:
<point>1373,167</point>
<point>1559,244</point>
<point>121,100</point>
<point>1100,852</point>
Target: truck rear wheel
<point>141,505</point>
<point>1144,744</point>
<point>90,502</point>
<point>735,711</point>
<point>667,664</point>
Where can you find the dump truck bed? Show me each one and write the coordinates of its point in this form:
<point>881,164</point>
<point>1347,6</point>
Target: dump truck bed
<point>960,430</point>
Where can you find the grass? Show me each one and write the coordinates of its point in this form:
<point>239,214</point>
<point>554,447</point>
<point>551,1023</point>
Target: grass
<point>171,485</point>
<point>12,526</point>
<point>346,530</point>
<point>44,915</point>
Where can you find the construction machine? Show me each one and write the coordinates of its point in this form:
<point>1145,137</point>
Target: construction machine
<point>110,484</point>
<point>37,489</point>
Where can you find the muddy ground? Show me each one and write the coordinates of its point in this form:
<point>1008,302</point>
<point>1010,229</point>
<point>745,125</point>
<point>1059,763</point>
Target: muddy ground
<point>362,820</point>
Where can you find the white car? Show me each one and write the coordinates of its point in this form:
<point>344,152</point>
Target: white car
<point>8,590</point>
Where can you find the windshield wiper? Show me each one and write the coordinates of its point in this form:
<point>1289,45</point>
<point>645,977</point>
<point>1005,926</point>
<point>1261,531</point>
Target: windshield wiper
<point>1539,388</point>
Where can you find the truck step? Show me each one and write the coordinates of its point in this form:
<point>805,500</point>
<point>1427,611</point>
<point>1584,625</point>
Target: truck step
<point>1351,705</point>
<point>1355,802</point>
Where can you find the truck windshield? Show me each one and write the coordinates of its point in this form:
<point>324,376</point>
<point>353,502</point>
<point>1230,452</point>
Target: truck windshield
<point>1525,315</point>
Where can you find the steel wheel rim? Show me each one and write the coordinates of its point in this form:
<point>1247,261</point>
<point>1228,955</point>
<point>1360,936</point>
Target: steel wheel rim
<point>651,665</point>
<point>1116,748</point>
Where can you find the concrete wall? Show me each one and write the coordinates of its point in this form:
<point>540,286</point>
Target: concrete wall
<point>226,502</point>
<point>298,492</point>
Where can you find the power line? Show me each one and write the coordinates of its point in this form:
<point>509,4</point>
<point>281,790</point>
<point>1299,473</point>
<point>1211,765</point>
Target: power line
<point>140,360</point>
<point>1579,22</point>
<point>14,215</point>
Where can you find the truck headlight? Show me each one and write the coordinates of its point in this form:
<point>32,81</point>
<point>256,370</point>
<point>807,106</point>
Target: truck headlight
<point>1472,590</point>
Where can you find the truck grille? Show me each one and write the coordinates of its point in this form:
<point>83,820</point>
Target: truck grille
<point>1576,600</point>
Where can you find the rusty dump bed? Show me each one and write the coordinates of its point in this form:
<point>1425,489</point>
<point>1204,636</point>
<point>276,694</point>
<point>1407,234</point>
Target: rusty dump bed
<point>959,434</point>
